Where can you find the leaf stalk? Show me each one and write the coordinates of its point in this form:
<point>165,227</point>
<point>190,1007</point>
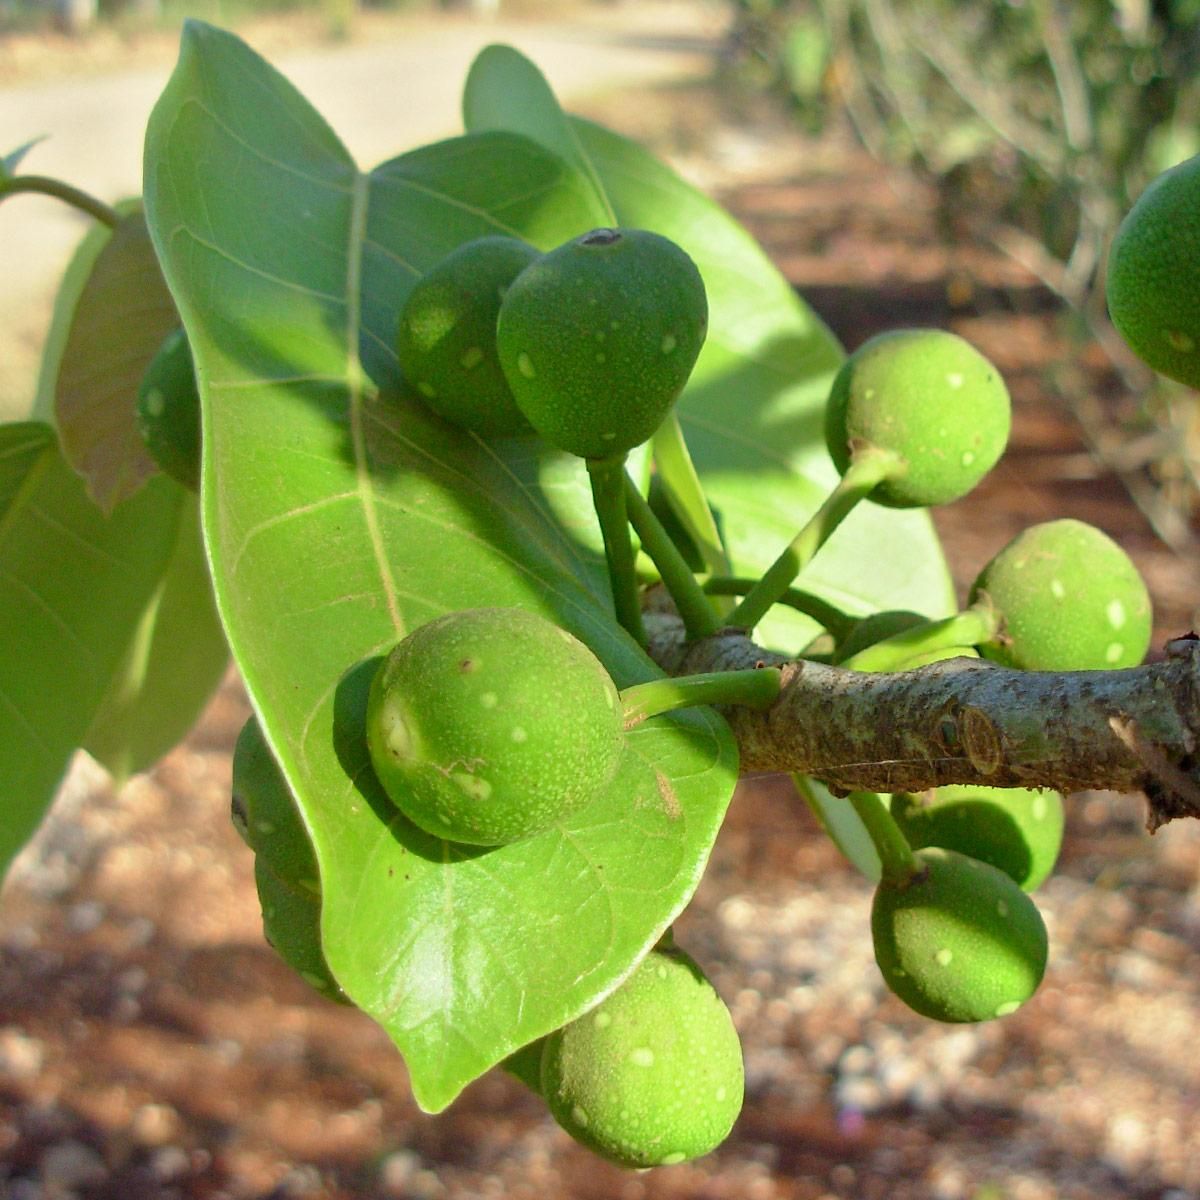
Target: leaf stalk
<point>44,185</point>
<point>699,619</point>
<point>757,687</point>
<point>607,476</point>
<point>895,854</point>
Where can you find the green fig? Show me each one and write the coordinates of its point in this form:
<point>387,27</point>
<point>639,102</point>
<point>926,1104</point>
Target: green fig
<point>292,926</point>
<point>265,814</point>
<point>168,411</point>
<point>492,724</point>
<point>1019,830</point>
<point>653,1075</point>
<point>929,397</point>
<point>1152,268</point>
<point>1069,598</point>
<point>598,337</point>
<point>959,940</point>
<point>446,340</point>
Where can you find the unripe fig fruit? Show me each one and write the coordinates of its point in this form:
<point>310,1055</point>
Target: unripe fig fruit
<point>491,724</point>
<point>292,925</point>
<point>266,816</point>
<point>1070,599</point>
<point>653,1075</point>
<point>1018,830</point>
<point>168,411</point>
<point>598,337</point>
<point>1152,269</point>
<point>959,941</point>
<point>928,396</point>
<point>446,341</point>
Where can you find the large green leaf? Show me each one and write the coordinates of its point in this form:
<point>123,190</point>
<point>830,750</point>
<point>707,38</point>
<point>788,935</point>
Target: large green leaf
<point>117,323</point>
<point>339,514</point>
<point>22,445</point>
<point>753,410</point>
<point>73,584</point>
<point>173,663</point>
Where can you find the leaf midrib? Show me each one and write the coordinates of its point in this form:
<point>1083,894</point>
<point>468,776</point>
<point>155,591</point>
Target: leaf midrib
<point>355,381</point>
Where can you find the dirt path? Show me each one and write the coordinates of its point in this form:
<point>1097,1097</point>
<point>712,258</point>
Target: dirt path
<point>395,85</point>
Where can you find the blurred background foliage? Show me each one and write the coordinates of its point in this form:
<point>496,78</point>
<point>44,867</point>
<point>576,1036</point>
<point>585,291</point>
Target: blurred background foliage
<point>1039,122</point>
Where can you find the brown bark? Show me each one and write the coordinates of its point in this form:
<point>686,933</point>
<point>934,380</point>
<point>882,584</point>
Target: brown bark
<point>967,721</point>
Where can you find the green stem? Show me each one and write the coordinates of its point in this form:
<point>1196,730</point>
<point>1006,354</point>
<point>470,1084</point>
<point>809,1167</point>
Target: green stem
<point>607,476</point>
<point>895,854</point>
<point>685,493</point>
<point>968,628</point>
<point>699,620</point>
<point>43,185</point>
<point>754,688</point>
<point>869,468</point>
<point>821,611</point>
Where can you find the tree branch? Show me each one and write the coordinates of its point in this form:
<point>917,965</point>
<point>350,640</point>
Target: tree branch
<point>966,721</point>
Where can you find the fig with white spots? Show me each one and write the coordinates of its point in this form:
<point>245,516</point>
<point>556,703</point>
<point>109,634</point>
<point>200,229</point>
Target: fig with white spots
<point>654,1075</point>
<point>485,728</point>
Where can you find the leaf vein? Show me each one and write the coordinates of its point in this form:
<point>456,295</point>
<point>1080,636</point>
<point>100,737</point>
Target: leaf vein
<point>277,519</point>
<point>257,152</point>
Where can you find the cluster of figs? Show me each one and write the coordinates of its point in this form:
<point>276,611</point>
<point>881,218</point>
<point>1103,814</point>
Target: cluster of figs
<point>491,725</point>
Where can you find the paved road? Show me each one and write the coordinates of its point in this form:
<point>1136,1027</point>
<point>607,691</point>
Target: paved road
<point>382,97</point>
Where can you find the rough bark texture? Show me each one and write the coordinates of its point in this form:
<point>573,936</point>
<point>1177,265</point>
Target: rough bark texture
<point>967,721</point>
